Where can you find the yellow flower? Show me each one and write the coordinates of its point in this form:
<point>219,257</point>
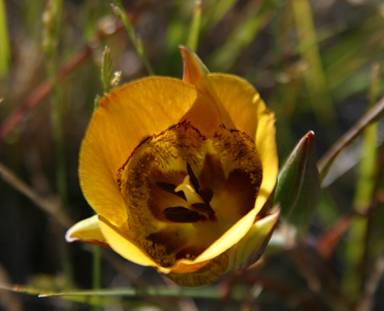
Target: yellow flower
<point>178,171</point>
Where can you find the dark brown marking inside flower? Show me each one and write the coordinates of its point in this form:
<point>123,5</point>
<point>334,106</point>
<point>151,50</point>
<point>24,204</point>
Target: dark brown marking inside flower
<point>183,190</point>
<point>170,188</point>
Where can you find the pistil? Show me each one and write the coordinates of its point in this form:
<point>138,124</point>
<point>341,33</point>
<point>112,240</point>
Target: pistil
<point>189,191</point>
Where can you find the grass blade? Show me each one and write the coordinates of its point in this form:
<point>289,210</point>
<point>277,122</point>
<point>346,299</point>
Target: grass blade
<point>4,46</point>
<point>51,34</point>
<point>242,36</point>
<point>194,30</point>
<point>216,11</point>
<point>366,179</point>
<point>208,292</point>
<point>357,249</point>
<point>309,50</point>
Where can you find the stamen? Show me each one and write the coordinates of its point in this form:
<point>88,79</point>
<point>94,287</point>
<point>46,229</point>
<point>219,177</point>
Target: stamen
<point>206,209</point>
<point>189,191</point>
<point>206,194</point>
<point>193,178</point>
<point>182,215</point>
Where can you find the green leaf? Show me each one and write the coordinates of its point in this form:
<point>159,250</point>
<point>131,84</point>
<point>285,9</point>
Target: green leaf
<point>298,184</point>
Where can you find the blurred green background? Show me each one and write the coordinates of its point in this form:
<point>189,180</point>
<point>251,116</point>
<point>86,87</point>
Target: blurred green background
<point>317,64</point>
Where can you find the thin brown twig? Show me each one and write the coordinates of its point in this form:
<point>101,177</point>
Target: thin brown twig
<point>41,92</point>
<point>327,243</point>
<point>371,286</point>
<point>50,206</point>
<point>371,116</point>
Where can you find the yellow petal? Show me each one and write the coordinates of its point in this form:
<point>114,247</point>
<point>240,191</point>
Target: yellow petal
<point>240,255</point>
<point>125,248</point>
<point>232,236</point>
<point>181,268</point>
<point>251,246</point>
<point>87,230</point>
<point>236,95</point>
<point>228,239</point>
<point>265,139</point>
<point>266,146</point>
<point>208,112</point>
<point>126,116</point>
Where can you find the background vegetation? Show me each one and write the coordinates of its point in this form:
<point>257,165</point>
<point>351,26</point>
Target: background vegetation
<point>316,63</point>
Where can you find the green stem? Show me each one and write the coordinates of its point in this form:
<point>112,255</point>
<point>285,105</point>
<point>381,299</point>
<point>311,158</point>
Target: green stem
<point>357,249</point>
<point>96,273</point>
<point>135,39</point>
<point>51,35</point>
<point>4,46</point>
<point>215,293</point>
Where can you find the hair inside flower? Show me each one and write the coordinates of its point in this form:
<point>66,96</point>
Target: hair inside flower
<point>184,190</point>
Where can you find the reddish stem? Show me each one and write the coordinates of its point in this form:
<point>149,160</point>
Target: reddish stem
<point>43,90</point>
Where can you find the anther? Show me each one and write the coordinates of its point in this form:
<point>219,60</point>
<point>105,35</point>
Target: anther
<point>206,194</point>
<point>193,178</point>
<point>182,215</point>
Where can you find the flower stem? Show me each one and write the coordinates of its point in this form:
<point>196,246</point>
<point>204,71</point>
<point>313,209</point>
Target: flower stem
<point>194,30</point>
<point>96,272</point>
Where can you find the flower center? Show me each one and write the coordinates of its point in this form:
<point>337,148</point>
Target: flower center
<point>184,190</point>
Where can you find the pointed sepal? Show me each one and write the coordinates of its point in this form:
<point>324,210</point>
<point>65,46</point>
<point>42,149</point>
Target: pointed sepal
<point>298,186</point>
<point>86,230</point>
<point>193,67</point>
